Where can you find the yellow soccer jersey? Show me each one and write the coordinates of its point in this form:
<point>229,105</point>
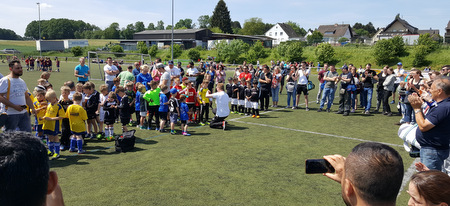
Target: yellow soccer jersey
<point>77,115</point>
<point>40,113</point>
<point>202,94</point>
<point>55,110</point>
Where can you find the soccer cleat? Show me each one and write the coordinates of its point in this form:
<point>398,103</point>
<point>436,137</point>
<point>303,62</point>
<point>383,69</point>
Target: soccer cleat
<point>253,116</point>
<point>224,125</point>
<point>75,150</point>
<point>49,153</point>
<point>142,128</point>
<point>55,156</point>
<point>319,110</point>
<point>186,134</point>
<point>367,112</point>
<point>100,135</point>
<point>241,113</point>
<point>201,123</point>
<point>306,109</point>
<point>257,117</point>
<point>173,132</point>
<point>81,151</point>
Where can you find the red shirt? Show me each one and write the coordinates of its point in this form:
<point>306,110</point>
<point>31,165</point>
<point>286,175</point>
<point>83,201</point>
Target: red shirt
<point>179,88</point>
<point>321,75</point>
<point>247,76</point>
<point>192,95</point>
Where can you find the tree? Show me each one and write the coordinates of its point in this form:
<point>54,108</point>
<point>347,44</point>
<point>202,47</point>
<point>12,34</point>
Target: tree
<point>255,26</point>
<point>256,52</point>
<point>151,26</point>
<point>139,26</point>
<point>176,51</point>
<point>364,30</point>
<point>77,51</point>
<point>383,52</point>
<point>296,27</point>
<point>153,50</point>
<point>221,17</point>
<point>216,30</point>
<point>230,52</point>
<point>342,40</point>
<point>117,48</point>
<point>203,21</point>
<point>324,52</point>
<point>236,26</point>
<point>314,38</point>
<point>294,52</point>
<point>169,27</point>
<point>184,23</point>
<point>112,32</point>
<point>160,25</point>
<point>282,48</point>
<point>8,34</point>
<point>398,46</point>
<point>419,54</point>
<point>427,40</point>
<point>361,32</point>
<point>127,33</point>
<point>142,47</point>
<point>193,54</point>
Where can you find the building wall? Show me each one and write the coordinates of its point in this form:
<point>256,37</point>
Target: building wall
<point>397,27</point>
<point>278,34</point>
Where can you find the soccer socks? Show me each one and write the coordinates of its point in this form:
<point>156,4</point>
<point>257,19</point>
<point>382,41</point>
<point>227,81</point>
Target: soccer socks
<point>111,131</point>
<point>80,144</point>
<point>73,142</point>
<point>257,112</point>
<point>106,132</point>
<point>51,147</point>
<point>56,146</point>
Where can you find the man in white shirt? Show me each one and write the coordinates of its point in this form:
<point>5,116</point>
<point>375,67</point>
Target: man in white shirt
<point>110,73</point>
<point>165,77</point>
<point>174,72</point>
<point>14,95</point>
<point>192,72</point>
<point>302,76</point>
<point>400,74</point>
<point>222,110</point>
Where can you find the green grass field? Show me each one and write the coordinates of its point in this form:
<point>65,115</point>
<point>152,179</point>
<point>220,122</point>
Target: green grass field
<point>254,162</point>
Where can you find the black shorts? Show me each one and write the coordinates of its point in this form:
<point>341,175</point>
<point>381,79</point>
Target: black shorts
<point>91,116</point>
<point>124,120</point>
<point>302,88</point>
<point>163,116</point>
<point>109,121</point>
<point>191,106</point>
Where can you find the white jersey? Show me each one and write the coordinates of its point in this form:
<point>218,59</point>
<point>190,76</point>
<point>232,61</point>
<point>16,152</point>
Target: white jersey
<point>108,77</point>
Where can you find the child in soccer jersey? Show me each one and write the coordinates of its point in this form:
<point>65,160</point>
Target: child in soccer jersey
<point>178,86</point>
<point>184,116</point>
<point>65,102</point>
<point>191,98</point>
<point>174,109</point>
<point>129,91</point>
<point>101,112</point>
<point>152,97</point>
<point>163,107</point>
<point>40,105</point>
<point>234,96</point>
<point>248,95</point>
<point>141,106</point>
<point>241,97</point>
<point>79,89</point>
<point>229,87</point>
<point>92,102</point>
<point>204,103</point>
<point>110,107</point>
<point>52,124</point>
<point>124,108</point>
<point>77,116</point>
<point>254,100</point>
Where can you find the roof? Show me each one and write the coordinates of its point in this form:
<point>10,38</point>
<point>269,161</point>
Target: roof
<point>428,31</point>
<point>238,36</point>
<point>336,30</point>
<point>288,30</point>
<point>175,31</point>
<point>448,25</point>
<point>411,29</point>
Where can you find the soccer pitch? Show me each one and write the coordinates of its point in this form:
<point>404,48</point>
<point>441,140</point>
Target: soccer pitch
<point>253,162</point>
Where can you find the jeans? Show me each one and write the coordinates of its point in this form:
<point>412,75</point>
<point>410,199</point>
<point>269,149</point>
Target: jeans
<point>353,99</point>
<point>366,98</point>
<point>327,93</point>
<point>275,93</point>
<point>289,95</point>
<point>433,158</point>
<point>386,106</point>
<point>18,121</point>
<point>409,114</point>
<point>110,85</point>
<point>319,93</point>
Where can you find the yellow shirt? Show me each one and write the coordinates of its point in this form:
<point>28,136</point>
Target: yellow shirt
<point>77,115</point>
<point>40,113</point>
<point>55,110</point>
<point>202,95</point>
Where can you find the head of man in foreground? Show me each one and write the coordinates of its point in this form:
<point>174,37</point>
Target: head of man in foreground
<point>371,174</point>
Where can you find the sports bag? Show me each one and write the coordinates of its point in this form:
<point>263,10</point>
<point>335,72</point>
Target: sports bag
<point>125,142</point>
<point>310,85</point>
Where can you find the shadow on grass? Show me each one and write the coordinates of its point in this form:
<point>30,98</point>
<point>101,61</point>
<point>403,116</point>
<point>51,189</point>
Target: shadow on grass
<point>71,160</point>
<point>147,142</point>
<point>235,127</point>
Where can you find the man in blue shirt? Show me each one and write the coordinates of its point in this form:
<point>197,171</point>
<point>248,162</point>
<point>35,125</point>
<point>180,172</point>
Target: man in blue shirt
<point>136,70</point>
<point>433,134</point>
<point>82,71</point>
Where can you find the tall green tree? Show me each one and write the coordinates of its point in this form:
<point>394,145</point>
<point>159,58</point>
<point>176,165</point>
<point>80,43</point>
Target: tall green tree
<point>151,26</point>
<point>184,23</point>
<point>139,26</point>
<point>255,26</point>
<point>221,17</point>
<point>314,38</point>
<point>8,34</point>
<point>204,21</point>
<point>127,33</point>
<point>296,27</point>
<point>324,52</point>
<point>112,32</point>
<point>160,25</point>
<point>236,26</point>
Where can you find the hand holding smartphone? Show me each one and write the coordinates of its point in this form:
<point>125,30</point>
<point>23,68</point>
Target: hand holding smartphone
<point>315,166</point>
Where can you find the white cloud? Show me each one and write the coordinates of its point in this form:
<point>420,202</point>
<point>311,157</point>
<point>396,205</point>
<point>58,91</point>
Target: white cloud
<point>45,5</point>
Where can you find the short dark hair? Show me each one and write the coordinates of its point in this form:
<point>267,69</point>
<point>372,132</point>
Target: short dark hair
<point>70,84</point>
<point>108,58</point>
<point>11,64</point>
<point>24,169</point>
<point>376,170</point>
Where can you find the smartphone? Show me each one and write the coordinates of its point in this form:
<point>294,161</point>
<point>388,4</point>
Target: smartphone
<point>314,166</point>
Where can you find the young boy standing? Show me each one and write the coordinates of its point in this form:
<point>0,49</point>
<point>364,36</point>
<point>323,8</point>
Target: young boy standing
<point>40,104</point>
<point>174,109</point>
<point>101,112</point>
<point>241,96</point>
<point>124,107</point>
<point>131,100</point>
<point>204,103</point>
<point>77,116</point>
<point>52,124</point>
<point>163,107</point>
<point>254,100</point>
<point>248,95</point>
<point>141,105</point>
<point>110,108</point>
<point>65,132</point>
<point>234,96</point>
<point>184,116</point>
<point>92,102</point>
<point>152,97</point>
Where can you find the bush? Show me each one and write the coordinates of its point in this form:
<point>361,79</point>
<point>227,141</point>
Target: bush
<point>118,49</point>
<point>324,52</point>
<point>427,40</point>
<point>153,50</point>
<point>383,52</point>
<point>194,54</point>
<point>398,46</point>
<point>282,48</point>
<point>77,51</point>
<point>88,49</point>
<point>232,51</point>
<point>294,52</point>
<point>342,40</point>
<point>142,47</point>
<point>420,52</point>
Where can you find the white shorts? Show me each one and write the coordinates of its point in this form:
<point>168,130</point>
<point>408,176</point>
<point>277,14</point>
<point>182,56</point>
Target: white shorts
<point>234,101</point>
<point>101,116</point>
<point>255,105</point>
<point>143,114</point>
<point>241,102</point>
<point>248,104</point>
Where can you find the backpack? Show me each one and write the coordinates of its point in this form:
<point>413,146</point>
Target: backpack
<point>126,141</point>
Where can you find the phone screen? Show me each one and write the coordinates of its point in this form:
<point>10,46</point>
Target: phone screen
<point>314,166</point>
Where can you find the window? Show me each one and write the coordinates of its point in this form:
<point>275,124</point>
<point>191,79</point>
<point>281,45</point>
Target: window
<point>329,32</point>
<point>270,33</point>
<point>281,33</point>
<point>275,33</point>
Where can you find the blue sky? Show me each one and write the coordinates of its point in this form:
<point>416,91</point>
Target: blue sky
<point>422,14</point>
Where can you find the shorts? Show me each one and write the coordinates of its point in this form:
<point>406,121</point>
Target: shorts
<point>241,102</point>
<point>109,121</point>
<point>91,116</point>
<point>255,105</point>
<point>234,101</point>
<point>163,116</point>
<point>183,121</point>
<point>79,133</point>
<point>173,117</point>
<point>49,132</point>
<point>143,114</point>
<point>38,128</point>
<point>124,120</point>
<point>102,116</point>
<point>248,104</point>
<point>302,88</point>
<point>191,106</point>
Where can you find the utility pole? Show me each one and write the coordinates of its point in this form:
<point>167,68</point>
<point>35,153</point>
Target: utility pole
<point>172,30</point>
<point>39,13</point>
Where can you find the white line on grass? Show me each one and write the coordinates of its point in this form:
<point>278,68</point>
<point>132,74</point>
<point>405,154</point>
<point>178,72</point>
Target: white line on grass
<point>408,173</point>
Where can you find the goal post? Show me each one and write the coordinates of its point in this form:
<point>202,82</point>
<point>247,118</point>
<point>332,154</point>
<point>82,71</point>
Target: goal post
<point>98,60</point>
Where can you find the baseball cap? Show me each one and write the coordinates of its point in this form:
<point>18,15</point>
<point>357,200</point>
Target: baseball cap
<point>170,62</point>
<point>159,65</point>
<point>399,63</point>
<point>173,90</point>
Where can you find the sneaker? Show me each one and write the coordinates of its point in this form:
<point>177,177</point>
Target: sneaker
<point>100,136</point>
<point>202,124</point>
<point>173,132</point>
<point>253,116</point>
<point>224,125</point>
<point>241,113</point>
<point>307,109</point>
<point>319,110</point>
<point>339,112</point>
<point>389,114</point>
<point>294,108</point>
<point>375,111</point>
<point>81,151</point>
<point>236,112</point>
<point>317,102</point>
<point>287,107</point>
<point>328,110</point>
<point>149,128</point>
<point>247,114</point>
<point>162,130</point>
<point>91,136</point>
<point>62,148</point>
<point>367,112</point>
<point>142,128</point>
<point>75,150</point>
<point>392,102</point>
<point>55,156</point>
<point>49,153</point>
<point>157,129</point>
<point>352,111</point>
<point>187,134</point>
<point>345,114</point>
<point>257,117</point>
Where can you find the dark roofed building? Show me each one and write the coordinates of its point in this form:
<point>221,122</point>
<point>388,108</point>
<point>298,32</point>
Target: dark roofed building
<point>447,33</point>
<point>332,33</point>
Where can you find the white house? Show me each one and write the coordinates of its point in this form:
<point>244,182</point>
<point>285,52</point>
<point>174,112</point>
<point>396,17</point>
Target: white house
<point>281,32</point>
<point>332,33</point>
